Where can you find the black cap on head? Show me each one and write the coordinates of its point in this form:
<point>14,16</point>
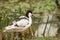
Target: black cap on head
<point>28,11</point>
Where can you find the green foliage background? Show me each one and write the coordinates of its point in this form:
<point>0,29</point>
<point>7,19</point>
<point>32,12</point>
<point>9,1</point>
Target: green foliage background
<point>10,9</point>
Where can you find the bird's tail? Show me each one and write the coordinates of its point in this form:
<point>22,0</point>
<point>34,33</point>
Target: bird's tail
<point>8,28</point>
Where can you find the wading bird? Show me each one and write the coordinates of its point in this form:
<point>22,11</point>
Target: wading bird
<point>23,22</point>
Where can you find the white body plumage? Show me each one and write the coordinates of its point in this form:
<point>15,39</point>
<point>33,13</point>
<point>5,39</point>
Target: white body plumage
<point>24,22</point>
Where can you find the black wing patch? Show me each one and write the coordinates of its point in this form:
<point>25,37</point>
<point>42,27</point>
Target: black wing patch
<point>16,25</point>
<point>17,19</point>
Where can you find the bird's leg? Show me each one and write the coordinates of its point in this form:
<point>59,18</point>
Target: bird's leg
<point>16,36</point>
<point>31,32</point>
<point>22,36</point>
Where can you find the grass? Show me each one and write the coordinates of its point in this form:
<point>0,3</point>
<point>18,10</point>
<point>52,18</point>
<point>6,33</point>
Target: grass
<point>46,38</point>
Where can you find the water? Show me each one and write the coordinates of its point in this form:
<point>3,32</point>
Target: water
<point>51,29</point>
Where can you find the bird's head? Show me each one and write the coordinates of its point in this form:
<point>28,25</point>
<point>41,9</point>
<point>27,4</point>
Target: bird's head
<point>28,13</point>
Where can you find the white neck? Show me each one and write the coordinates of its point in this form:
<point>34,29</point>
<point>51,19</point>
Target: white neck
<point>30,19</point>
<point>29,14</point>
